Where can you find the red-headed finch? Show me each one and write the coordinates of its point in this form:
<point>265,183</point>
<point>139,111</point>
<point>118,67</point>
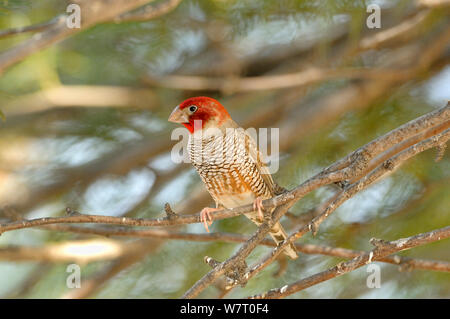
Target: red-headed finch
<point>228,162</point>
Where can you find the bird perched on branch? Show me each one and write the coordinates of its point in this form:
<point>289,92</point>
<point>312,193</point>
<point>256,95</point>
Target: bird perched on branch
<point>228,162</point>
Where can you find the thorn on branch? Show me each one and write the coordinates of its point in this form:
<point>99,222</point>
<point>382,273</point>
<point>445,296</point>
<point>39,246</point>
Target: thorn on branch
<point>340,267</point>
<point>370,257</point>
<point>313,228</point>
<point>211,262</point>
<point>169,212</point>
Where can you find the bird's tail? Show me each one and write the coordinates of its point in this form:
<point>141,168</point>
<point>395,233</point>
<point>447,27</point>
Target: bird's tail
<point>278,234</point>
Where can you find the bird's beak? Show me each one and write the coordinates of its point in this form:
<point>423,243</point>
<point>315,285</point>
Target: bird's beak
<point>178,116</point>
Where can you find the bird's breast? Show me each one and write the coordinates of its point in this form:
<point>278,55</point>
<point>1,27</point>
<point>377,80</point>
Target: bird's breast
<point>229,174</point>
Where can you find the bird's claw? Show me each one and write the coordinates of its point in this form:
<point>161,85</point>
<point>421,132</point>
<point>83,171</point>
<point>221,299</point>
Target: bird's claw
<point>206,218</point>
<point>257,205</point>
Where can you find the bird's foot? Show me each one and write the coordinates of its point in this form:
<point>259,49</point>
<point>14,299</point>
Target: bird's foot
<point>205,216</point>
<point>257,205</point>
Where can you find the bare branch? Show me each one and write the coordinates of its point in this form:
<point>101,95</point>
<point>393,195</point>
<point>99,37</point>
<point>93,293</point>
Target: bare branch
<point>347,169</point>
<point>400,134</point>
<point>125,221</point>
<point>235,238</point>
<point>382,250</point>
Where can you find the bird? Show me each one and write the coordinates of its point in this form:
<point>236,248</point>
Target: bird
<point>229,163</point>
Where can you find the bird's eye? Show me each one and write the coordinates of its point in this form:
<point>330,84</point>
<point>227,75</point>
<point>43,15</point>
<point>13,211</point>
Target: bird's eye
<point>192,108</point>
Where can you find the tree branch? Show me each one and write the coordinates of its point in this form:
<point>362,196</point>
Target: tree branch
<point>319,180</point>
<point>347,193</point>
<point>235,238</point>
<point>347,168</point>
<point>382,250</point>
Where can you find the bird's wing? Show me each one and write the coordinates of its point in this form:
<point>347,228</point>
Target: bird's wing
<point>263,170</point>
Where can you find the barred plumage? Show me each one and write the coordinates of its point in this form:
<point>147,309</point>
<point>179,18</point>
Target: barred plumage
<point>225,166</point>
<point>228,161</point>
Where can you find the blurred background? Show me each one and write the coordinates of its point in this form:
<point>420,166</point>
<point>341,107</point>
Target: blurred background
<point>86,127</point>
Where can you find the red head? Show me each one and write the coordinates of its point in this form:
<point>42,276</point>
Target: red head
<point>209,111</point>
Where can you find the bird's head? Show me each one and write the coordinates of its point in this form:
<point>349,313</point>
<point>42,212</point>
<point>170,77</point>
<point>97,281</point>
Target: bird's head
<point>195,109</point>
